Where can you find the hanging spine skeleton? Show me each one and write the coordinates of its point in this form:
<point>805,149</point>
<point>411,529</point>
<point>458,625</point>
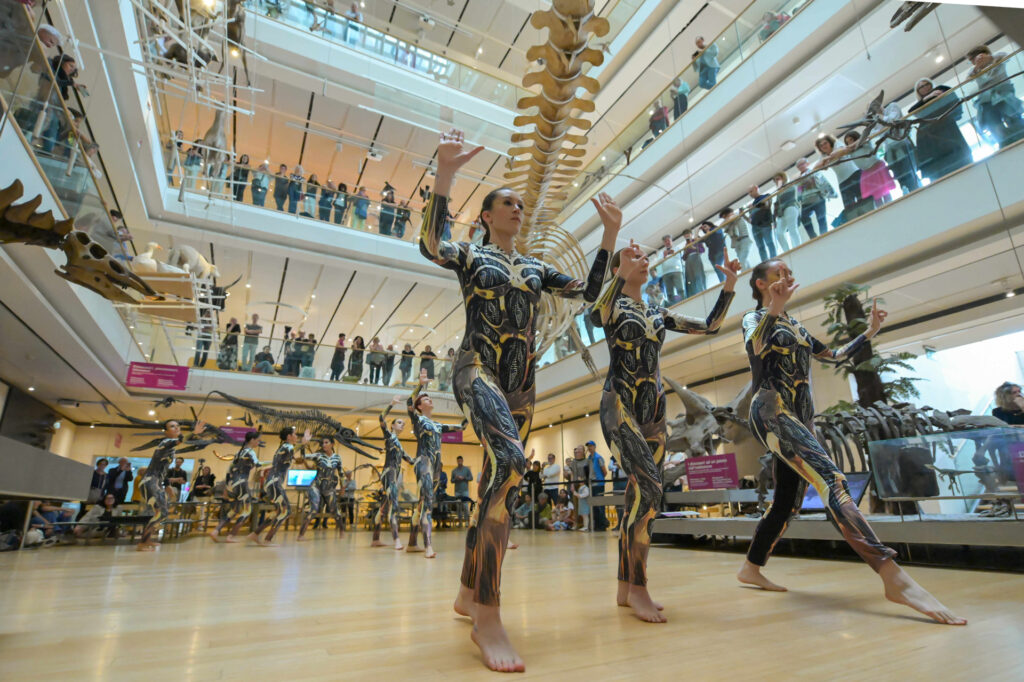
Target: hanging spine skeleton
<point>89,265</point>
<point>543,168</point>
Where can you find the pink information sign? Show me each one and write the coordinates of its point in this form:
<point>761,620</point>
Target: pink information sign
<point>713,471</point>
<point>151,375</point>
<point>1017,457</point>
<point>451,437</point>
<point>236,432</point>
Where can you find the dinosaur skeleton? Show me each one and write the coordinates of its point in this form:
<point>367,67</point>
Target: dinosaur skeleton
<point>89,265</point>
<point>319,424</point>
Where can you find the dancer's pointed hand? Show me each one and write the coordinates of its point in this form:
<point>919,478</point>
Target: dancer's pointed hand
<point>731,269</point>
<point>452,153</point>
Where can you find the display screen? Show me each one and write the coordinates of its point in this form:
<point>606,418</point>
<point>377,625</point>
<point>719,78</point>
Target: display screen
<point>301,477</point>
<point>858,483</point>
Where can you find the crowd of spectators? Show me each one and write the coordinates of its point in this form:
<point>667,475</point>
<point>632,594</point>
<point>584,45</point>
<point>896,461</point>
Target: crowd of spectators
<point>856,175</point>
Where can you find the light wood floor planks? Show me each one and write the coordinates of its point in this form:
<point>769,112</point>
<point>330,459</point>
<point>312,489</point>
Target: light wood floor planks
<point>338,610</point>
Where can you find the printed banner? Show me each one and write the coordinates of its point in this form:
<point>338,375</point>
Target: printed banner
<point>451,437</point>
<point>1017,457</point>
<point>236,432</point>
<point>150,375</point>
<point>713,471</point>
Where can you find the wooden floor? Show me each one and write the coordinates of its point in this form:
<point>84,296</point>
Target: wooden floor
<point>333,610</point>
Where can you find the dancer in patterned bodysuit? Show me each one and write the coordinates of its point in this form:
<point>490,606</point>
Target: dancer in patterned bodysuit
<point>781,412</point>
<point>238,506</point>
<point>633,406</point>
<point>391,473</point>
<point>493,374</point>
<point>274,486</point>
<point>427,464</point>
<point>152,484</point>
<point>323,490</point>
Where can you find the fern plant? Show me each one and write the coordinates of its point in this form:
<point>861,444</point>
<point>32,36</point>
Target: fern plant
<point>846,319</point>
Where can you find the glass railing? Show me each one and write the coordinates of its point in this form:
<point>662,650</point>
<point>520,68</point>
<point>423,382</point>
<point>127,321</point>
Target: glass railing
<point>294,195</point>
<point>37,84</point>
<point>304,359</point>
<point>756,24</point>
<point>975,118</point>
<point>341,29</point>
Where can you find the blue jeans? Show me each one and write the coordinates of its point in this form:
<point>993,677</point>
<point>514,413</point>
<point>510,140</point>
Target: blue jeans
<point>717,257</point>
<point>259,196</point>
<point>765,242</point>
<point>816,209</point>
<point>294,194</point>
<point>707,77</point>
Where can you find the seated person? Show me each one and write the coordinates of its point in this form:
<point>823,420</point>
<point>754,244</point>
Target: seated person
<point>204,483</point>
<point>521,514</point>
<point>45,514</point>
<point>561,516</point>
<point>543,511</point>
<point>102,511</point>
<point>264,362</point>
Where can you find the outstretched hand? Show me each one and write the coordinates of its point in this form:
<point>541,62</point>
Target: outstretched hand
<point>452,153</point>
<point>306,436</point>
<point>877,318</point>
<point>611,218</point>
<point>780,292</point>
<point>398,399</point>
<point>631,261</point>
<point>731,269</point>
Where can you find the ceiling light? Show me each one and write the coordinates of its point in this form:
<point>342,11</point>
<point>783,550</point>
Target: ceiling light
<point>587,414</point>
<point>202,186</point>
<point>31,388</point>
<point>360,323</point>
<point>651,112</point>
<point>92,426</point>
<point>821,135</point>
<point>234,52</point>
<point>152,412</point>
<point>426,314</point>
<point>1009,294</point>
<point>227,294</point>
<point>480,50</point>
<point>362,3</point>
<point>788,145</point>
<point>410,330</point>
<point>314,296</point>
<point>575,184</point>
<point>131,327</point>
<point>248,286</point>
<point>371,305</point>
<point>603,158</point>
<point>938,60</point>
<point>550,425</point>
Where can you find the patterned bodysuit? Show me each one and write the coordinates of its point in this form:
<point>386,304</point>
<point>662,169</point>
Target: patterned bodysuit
<point>780,350</point>
<point>427,466</point>
<point>633,407</point>
<point>493,375</point>
<point>323,490</point>
<point>389,475</point>
<point>236,490</point>
<point>152,485</point>
<point>273,489</point>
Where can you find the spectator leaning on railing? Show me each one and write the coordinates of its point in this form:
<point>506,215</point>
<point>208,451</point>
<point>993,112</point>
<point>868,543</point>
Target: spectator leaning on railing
<point>812,191</point>
<point>999,109</point>
<point>738,230</point>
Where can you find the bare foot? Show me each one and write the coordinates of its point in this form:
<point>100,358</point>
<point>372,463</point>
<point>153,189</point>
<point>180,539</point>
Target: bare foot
<point>213,536</point>
<point>253,537</point>
<point>643,606</point>
<point>230,538</point>
<point>145,547</point>
<point>398,545</point>
<point>495,648</point>
<point>266,543</point>
<point>750,574</point>
<point>376,543</point>
<point>512,545</point>
<point>430,553</point>
<point>302,538</point>
<point>413,548</point>
<point>622,596</point>
<point>464,605</point>
<point>902,589</point>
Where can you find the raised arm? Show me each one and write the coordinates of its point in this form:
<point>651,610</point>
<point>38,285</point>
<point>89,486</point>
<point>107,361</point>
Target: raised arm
<point>828,355</point>
<point>451,155</point>
<point>691,325</point>
<point>562,285</point>
<point>449,428</point>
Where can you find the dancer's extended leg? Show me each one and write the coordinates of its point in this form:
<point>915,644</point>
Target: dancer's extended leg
<point>156,499</point>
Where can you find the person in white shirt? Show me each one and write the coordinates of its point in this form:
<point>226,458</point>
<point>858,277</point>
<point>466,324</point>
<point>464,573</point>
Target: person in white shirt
<point>552,474</point>
<point>671,271</point>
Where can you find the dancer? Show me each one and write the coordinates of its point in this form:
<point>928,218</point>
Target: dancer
<point>238,506</point>
<point>151,486</point>
<point>273,487</point>
<point>493,375</point>
<point>323,490</point>
<point>633,405</point>
<point>389,476</point>
<point>779,350</point>
<point>427,464</point>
